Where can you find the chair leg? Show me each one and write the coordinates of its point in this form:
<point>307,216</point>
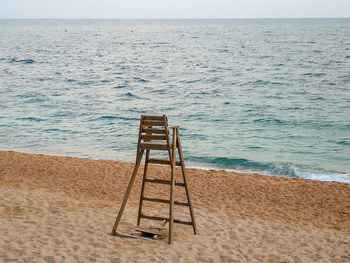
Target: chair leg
<point>132,179</point>
<point>172,186</point>
<point>143,187</point>
<point>184,179</point>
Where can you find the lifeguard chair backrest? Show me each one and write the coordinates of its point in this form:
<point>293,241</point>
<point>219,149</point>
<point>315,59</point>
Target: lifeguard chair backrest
<point>154,128</point>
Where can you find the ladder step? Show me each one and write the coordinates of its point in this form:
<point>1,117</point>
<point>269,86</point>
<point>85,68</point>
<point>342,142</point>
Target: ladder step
<point>163,161</point>
<point>153,146</point>
<point>153,118</point>
<point>157,200</point>
<point>181,203</point>
<point>159,161</point>
<point>159,181</point>
<point>176,221</point>
<point>151,131</point>
<point>153,137</point>
<point>157,218</point>
<point>153,123</point>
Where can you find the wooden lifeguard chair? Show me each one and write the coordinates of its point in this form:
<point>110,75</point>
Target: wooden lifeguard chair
<point>154,135</point>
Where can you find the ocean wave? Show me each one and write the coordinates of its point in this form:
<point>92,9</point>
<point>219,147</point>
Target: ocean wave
<point>230,162</point>
<point>190,81</point>
<point>112,117</point>
<point>274,121</point>
<point>86,82</point>
<point>343,142</point>
<point>284,170</point>
<point>35,100</point>
<point>24,61</point>
<point>54,130</point>
<point>328,177</point>
<point>314,74</point>
<point>129,95</point>
<point>141,80</point>
<point>255,82</point>
<point>119,87</point>
<point>30,119</point>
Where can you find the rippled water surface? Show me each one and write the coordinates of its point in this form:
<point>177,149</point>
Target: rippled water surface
<point>271,96</point>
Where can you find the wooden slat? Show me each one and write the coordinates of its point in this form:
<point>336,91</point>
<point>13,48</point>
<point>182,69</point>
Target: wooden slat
<point>152,146</point>
<point>153,123</point>
<point>160,228</point>
<point>157,200</point>
<point>159,181</point>
<point>157,218</point>
<point>159,161</point>
<point>162,161</point>
<point>176,221</point>
<point>153,118</point>
<point>179,184</point>
<point>156,131</point>
<point>181,203</point>
<point>153,137</point>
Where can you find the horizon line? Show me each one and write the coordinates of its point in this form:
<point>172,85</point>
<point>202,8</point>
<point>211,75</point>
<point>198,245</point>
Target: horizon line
<point>173,18</point>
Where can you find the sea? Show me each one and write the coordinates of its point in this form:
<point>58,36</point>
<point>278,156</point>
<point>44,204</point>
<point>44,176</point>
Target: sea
<point>267,96</point>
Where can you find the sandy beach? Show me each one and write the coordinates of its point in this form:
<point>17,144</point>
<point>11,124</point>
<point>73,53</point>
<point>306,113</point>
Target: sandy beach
<point>62,209</point>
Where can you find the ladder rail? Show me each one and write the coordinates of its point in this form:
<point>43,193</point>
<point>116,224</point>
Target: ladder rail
<point>143,187</point>
<point>139,154</point>
<point>132,179</point>
<point>172,186</point>
<point>186,186</point>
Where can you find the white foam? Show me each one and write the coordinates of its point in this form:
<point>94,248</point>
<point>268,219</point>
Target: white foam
<point>321,176</point>
<point>329,177</point>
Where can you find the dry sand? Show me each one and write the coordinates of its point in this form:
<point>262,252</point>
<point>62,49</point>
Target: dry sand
<point>61,209</point>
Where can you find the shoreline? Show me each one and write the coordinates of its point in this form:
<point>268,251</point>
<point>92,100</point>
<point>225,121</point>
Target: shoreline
<point>325,176</point>
<point>66,202</point>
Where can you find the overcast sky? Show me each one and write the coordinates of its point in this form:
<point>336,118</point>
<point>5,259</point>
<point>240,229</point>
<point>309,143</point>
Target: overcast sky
<point>173,8</point>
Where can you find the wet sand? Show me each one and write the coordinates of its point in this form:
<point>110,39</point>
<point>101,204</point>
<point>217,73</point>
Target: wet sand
<point>62,209</point>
